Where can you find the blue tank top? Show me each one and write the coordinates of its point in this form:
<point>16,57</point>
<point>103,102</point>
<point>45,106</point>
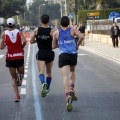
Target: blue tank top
<point>66,42</point>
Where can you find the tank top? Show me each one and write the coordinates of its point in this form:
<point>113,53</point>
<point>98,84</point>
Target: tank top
<point>66,42</point>
<point>14,45</point>
<point>43,39</point>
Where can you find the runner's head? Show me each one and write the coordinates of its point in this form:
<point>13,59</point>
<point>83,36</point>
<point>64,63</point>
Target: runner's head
<point>44,18</point>
<point>64,21</point>
<point>10,22</point>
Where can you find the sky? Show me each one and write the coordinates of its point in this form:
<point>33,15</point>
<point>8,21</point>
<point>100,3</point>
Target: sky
<point>28,1</point>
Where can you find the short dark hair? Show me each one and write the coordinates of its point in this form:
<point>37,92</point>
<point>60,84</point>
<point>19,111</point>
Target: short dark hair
<point>64,21</point>
<point>45,18</point>
<point>11,26</point>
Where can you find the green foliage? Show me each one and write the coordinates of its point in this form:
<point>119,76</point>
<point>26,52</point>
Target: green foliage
<point>53,10</point>
<point>93,4</point>
<point>9,8</point>
<point>104,14</point>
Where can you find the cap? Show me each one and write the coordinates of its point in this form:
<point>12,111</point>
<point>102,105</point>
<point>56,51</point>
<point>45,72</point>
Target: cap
<point>10,21</point>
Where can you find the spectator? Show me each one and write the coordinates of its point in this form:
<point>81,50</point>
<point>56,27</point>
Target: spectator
<point>82,30</point>
<point>115,32</point>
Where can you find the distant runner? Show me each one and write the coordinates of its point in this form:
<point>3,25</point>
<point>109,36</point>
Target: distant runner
<point>14,40</point>
<point>64,39</point>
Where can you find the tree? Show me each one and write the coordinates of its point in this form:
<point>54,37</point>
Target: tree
<point>10,8</point>
<point>53,10</point>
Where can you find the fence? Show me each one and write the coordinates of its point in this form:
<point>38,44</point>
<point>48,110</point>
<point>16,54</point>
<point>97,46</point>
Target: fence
<point>99,26</point>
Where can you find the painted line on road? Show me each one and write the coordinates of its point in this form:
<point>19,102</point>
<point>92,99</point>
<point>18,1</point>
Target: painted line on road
<point>26,66</point>
<point>100,54</point>
<point>23,91</point>
<point>25,75</point>
<point>37,104</point>
<point>82,54</point>
<point>26,70</point>
<point>24,82</point>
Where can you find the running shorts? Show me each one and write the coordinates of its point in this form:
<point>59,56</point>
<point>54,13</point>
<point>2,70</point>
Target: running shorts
<point>67,59</point>
<point>15,63</point>
<point>45,55</point>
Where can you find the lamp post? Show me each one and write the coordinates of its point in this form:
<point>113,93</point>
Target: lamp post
<point>65,8</point>
<point>61,7</point>
<point>76,10</point>
<point>39,10</point>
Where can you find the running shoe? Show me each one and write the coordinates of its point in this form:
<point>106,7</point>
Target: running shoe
<point>48,91</point>
<point>17,99</point>
<point>72,93</point>
<point>19,79</point>
<point>44,90</point>
<point>69,103</point>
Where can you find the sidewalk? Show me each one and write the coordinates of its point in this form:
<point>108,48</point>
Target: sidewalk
<point>104,49</point>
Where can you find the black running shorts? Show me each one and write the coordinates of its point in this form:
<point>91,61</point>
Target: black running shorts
<point>45,55</point>
<point>15,63</point>
<point>67,59</point>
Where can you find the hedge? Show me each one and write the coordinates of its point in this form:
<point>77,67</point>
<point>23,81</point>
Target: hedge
<point>104,13</point>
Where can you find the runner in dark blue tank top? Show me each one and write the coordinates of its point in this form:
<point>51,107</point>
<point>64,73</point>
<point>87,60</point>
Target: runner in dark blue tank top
<point>64,39</point>
<point>45,55</point>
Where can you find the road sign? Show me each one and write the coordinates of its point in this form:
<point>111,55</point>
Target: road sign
<point>70,15</point>
<point>93,14</point>
<point>93,17</point>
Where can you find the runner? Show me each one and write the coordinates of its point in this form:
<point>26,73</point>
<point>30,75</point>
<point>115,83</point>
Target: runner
<point>64,39</point>
<point>45,55</point>
<point>14,40</point>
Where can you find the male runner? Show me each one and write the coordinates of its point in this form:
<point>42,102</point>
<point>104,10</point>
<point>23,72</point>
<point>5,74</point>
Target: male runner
<point>64,39</point>
<point>14,41</point>
<point>45,56</point>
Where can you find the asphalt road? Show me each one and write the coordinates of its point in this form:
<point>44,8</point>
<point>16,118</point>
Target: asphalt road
<point>97,87</point>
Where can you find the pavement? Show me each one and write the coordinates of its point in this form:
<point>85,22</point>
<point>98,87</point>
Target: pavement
<point>103,49</point>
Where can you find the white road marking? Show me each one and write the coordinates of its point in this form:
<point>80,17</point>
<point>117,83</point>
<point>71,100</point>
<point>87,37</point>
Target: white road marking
<point>26,63</point>
<point>23,91</point>
<point>24,82</point>
<point>26,66</point>
<point>101,54</point>
<point>81,54</point>
<point>1,56</point>
<point>26,70</point>
<point>28,51</point>
<point>25,75</point>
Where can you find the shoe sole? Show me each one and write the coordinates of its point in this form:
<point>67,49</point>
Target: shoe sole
<point>19,83</point>
<point>48,92</point>
<point>74,98</point>
<point>44,92</point>
<point>16,100</point>
<point>69,104</point>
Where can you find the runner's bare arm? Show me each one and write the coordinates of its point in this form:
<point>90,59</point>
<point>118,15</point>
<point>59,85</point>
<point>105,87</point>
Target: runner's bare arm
<point>80,36</point>
<point>55,39</point>
<point>23,39</point>
<point>33,35</point>
<point>52,32</point>
<point>2,44</point>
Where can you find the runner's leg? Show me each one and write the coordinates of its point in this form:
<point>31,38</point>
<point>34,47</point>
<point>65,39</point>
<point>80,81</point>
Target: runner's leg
<point>14,80</point>
<point>48,73</point>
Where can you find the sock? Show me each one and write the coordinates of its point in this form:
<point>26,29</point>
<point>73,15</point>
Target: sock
<point>42,78</point>
<point>72,86</point>
<point>48,81</point>
<point>67,94</point>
